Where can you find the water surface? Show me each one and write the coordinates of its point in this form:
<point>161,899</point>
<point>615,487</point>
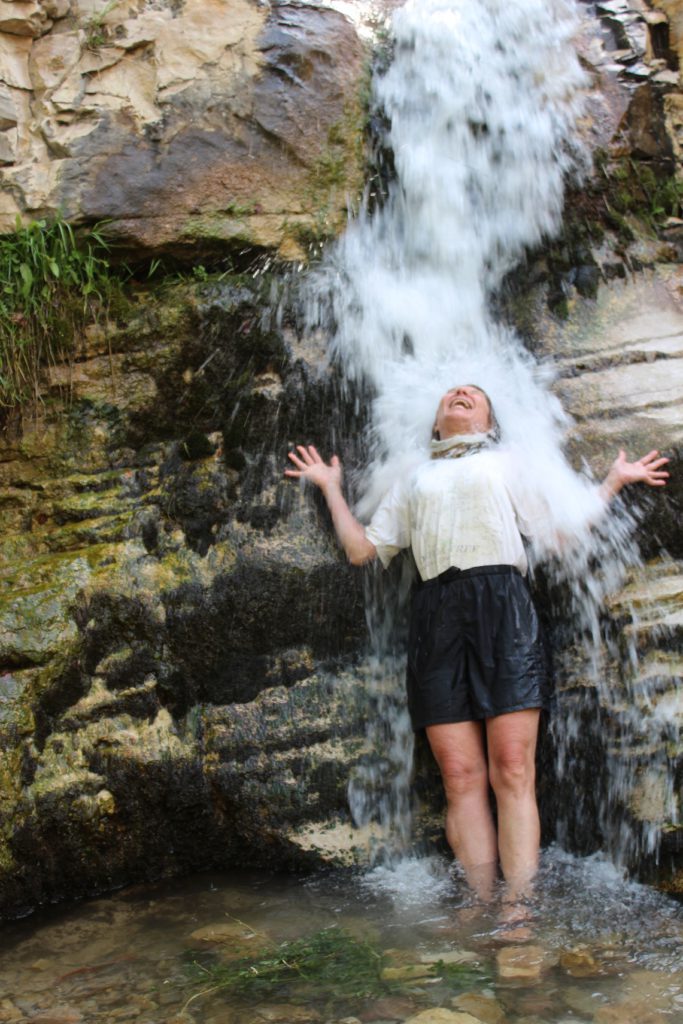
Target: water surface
<point>601,949</point>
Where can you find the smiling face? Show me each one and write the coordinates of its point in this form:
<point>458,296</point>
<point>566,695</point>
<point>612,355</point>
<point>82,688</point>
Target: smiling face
<point>463,410</point>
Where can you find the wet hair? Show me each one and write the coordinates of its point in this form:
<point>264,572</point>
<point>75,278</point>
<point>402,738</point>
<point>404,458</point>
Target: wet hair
<point>494,430</point>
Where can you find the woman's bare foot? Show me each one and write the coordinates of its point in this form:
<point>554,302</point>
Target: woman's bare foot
<point>515,922</point>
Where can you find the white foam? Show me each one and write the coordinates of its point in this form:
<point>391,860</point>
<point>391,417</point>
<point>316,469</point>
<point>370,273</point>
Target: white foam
<point>413,880</point>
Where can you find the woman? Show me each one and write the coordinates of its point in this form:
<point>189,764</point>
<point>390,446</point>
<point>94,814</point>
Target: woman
<point>476,669</point>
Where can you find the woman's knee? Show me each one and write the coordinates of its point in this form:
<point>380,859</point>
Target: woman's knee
<point>460,754</point>
<point>512,769</point>
<point>463,778</point>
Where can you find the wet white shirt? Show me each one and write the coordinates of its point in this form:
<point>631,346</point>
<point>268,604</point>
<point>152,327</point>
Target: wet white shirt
<point>461,512</point>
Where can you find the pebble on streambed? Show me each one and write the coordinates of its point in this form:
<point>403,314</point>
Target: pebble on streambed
<point>524,963</point>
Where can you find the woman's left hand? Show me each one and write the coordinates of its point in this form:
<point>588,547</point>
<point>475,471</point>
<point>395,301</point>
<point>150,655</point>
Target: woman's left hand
<point>647,470</point>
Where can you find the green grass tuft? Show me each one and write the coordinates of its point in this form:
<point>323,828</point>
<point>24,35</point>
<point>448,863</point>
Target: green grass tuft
<point>338,963</point>
<point>96,34</point>
<point>333,964</point>
<point>51,286</point>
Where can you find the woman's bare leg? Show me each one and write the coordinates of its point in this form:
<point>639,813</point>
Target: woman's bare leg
<point>460,754</point>
<point>512,772</point>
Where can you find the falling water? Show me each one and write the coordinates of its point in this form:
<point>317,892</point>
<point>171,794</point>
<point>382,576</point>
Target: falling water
<point>481,98</point>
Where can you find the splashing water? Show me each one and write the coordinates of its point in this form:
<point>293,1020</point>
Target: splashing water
<point>481,97</point>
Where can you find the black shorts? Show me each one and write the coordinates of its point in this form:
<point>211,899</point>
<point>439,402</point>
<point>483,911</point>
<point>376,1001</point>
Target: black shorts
<point>475,647</point>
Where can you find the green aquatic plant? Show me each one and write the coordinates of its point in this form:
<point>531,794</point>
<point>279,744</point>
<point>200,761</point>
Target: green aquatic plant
<point>51,286</point>
<point>461,976</point>
<point>332,959</point>
<point>336,965</point>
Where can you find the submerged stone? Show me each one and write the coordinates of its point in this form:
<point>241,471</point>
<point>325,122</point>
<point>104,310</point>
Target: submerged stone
<point>407,972</point>
<point>59,1015</point>
<point>485,1008</point>
<point>284,1013</point>
<point>524,963</point>
<point>580,962</point>
<point>223,932</point>
<point>440,1015</point>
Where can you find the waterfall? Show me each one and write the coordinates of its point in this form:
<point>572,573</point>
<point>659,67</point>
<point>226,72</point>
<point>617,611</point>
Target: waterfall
<point>481,98</point>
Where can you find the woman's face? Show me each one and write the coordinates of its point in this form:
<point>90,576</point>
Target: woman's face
<point>463,410</point>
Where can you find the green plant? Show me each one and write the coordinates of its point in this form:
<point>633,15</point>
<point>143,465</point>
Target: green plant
<point>50,287</point>
<point>95,28</point>
<point>666,199</point>
<point>336,965</point>
<point>336,962</point>
<point>630,186</point>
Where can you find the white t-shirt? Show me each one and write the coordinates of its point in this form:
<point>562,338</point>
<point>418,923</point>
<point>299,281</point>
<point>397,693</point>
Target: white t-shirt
<point>461,512</point>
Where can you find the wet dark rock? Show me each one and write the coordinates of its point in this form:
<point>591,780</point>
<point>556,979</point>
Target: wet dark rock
<point>646,126</point>
<point>188,679</point>
<point>587,280</point>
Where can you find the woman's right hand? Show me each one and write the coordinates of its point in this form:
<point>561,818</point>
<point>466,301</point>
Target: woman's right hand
<point>311,466</point>
<point>328,477</point>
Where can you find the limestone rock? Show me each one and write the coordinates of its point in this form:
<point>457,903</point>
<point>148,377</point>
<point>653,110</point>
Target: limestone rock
<point>57,8</point>
<point>14,54</point>
<point>285,1013</point>
<point>8,147</point>
<point>23,18</point>
<point>52,58</point>
<point>209,123</point>
<point>646,127</point>
<point>674,12</point>
<point>624,381</point>
<point>628,1011</point>
<point>10,1012</point>
<point>673,113</point>
<point>387,1008</point>
<point>451,956</point>
<point>8,108</point>
<point>169,630</point>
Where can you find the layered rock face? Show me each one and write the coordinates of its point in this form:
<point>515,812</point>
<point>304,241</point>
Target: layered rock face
<point>149,508</point>
<point>181,646</point>
<point>618,360</point>
<point>189,127</point>
<point>603,305</point>
<point>174,614</point>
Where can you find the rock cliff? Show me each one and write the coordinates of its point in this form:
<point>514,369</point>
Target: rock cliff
<point>189,127</point>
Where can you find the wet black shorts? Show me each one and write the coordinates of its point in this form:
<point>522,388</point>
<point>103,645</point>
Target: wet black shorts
<point>475,647</point>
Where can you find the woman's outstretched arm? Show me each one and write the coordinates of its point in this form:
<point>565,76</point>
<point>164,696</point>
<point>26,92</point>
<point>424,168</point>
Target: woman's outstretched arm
<point>647,470</point>
<point>328,477</point>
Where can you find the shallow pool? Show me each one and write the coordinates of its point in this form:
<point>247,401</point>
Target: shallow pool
<point>394,944</point>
